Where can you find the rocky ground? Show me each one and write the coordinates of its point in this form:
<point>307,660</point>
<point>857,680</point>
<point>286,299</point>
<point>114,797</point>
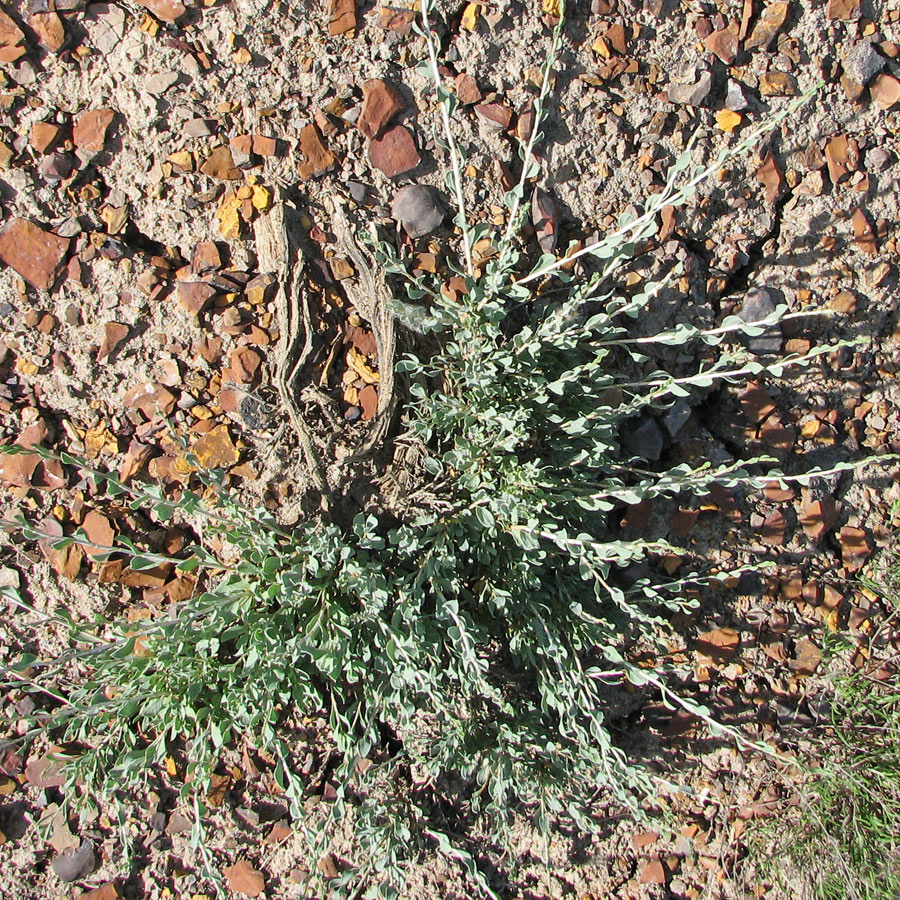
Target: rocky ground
<point>140,145</point>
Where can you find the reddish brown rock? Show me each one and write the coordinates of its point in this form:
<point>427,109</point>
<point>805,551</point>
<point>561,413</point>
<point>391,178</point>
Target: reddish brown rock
<point>206,258</point>
<point>44,136</point>
<point>394,152</point>
<point>317,158</point>
<point>168,10</point>
<point>496,116</point>
<point>254,143</point>
<point>11,38</point>
<point>91,128</point>
<point>220,164</point>
<point>724,44</point>
<point>194,295</point>
<point>242,143</point>
<point>467,90</point>
<point>768,25</point>
<point>863,233</point>
<point>341,16</point>
<point>653,872</point>
<point>151,399</point>
<point>49,28</point>
<point>381,103</point>
<point>245,363</point>
<point>264,146</point>
<point>368,401</point>
<point>37,255</point>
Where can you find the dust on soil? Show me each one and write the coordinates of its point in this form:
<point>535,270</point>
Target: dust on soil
<point>812,219</point>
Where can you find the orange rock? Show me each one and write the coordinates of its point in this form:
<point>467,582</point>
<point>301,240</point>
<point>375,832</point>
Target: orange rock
<point>215,449</point>
<point>220,164</point>
<point>368,401</point>
<point>44,136</point>
<point>48,26</point>
<point>341,16</point>
<point>845,10</point>
<point>863,234</point>
<point>11,37</point>
<point>317,157</point>
<point>91,127</point>
<point>264,145</point>
<point>653,872</point>
<point>37,255</point>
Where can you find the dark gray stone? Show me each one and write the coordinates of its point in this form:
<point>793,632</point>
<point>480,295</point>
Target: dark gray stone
<point>358,191</point>
<point>643,438</point>
<point>758,304</point>
<point>676,416</point>
<point>418,208</point>
<point>57,166</point>
<point>73,865</point>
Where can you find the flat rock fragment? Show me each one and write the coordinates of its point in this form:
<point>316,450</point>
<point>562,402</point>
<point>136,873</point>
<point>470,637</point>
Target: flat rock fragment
<point>49,28</point>
<point>37,255</point>
<point>44,136</point>
<point>194,295</point>
<point>160,82</point>
<point>394,153</point>
<point>767,26</point>
<point>317,158</point>
<point>167,10</point>
<point>220,165</point>
<point>381,103</point>
<point>75,864</point>
<point>694,94</point>
<point>770,175</point>
<point>418,208</point>
<point>496,116</point>
<point>837,158</point>
<point>341,16</point>
<point>11,37</point>
<point>843,10</point>
<point>757,306</point>
<point>91,129</point>
<point>735,98</point>
<point>885,91</point>
<point>467,90</point>
<point>724,44</point>
<point>863,233</point>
